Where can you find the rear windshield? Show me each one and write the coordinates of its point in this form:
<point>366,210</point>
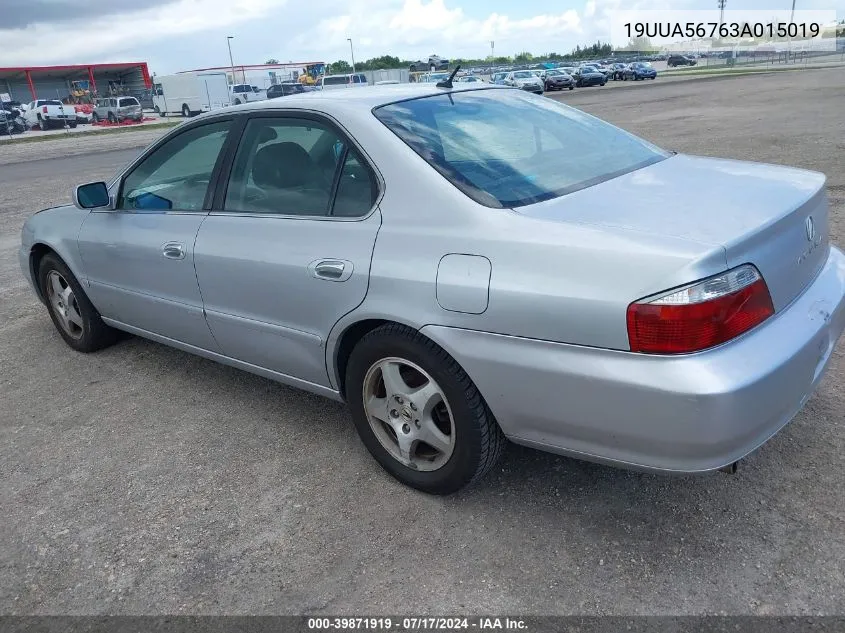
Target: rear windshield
<point>130,101</point>
<point>504,148</point>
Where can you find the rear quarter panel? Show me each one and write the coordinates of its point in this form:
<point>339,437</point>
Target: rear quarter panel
<point>549,280</point>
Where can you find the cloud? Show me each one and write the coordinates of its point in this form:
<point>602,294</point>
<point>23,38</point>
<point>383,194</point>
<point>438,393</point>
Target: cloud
<point>418,28</point>
<point>22,14</point>
<point>105,37</point>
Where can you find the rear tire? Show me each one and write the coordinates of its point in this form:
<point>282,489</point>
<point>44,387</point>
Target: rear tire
<point>74,316</point>
<point>112,118</point>
<point>431,389</point>
<point>186,111</point>
<point>95,118</point>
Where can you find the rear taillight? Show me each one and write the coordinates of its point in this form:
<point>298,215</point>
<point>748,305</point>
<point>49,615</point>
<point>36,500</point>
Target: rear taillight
<point>44,109</point>
<point>702,315</point>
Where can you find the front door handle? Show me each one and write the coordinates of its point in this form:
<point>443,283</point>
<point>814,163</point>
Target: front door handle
<point>173,250</point>
<point>331,269</point>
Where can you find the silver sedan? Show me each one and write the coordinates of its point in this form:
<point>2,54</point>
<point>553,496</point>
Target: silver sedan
<point>464,265</point>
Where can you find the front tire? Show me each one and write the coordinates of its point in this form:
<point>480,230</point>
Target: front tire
<point>186,111</point>
<point>73,314</point>
<point>418,413</point>
<point>95,118</point>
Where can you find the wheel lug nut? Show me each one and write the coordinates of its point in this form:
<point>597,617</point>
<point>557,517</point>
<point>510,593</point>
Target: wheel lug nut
<point>399,399</point>
<point>406,428</point>
<point>413,407</point>
<point>394,413</point>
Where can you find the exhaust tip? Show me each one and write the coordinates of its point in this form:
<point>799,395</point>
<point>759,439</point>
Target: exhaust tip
<point>730,468</point>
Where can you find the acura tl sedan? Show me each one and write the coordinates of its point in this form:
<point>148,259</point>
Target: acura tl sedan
<point>461,266</point>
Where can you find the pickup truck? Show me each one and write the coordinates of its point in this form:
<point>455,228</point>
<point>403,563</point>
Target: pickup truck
<point>245,93</point>
<point>47,113</point>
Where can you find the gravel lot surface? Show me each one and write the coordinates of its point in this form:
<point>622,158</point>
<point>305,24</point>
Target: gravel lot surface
<point>143,480</point>
<point>77,145</point>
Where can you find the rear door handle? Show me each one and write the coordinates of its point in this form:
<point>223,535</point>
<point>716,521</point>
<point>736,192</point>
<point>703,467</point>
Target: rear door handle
<point>331,269</point>
<point>173,250</point>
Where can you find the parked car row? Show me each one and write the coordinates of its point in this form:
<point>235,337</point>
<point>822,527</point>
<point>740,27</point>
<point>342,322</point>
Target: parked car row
<point>570,77</point>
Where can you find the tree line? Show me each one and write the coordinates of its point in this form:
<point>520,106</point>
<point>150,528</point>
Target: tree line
<point>386,62</point>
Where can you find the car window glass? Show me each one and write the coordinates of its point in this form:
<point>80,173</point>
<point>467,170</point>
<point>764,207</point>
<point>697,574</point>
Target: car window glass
<point>283,166</point>
<point>356,188</point>
<point>177,174</point>
<point>516,140</point>
<point>508,149</point>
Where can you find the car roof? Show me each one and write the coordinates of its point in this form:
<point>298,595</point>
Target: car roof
<point>364,98</point>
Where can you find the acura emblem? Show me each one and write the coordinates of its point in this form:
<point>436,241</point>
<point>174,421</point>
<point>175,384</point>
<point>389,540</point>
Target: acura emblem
<point>811,228</point>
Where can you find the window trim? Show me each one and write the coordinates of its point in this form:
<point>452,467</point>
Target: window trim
<point>120,179</point>
<point>222,183</point>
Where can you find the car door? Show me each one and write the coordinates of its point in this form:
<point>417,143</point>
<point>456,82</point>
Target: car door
<point>139,257</point>
<point>286,249</point>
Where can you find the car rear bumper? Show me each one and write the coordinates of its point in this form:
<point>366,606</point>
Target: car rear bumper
<point>689,413</point>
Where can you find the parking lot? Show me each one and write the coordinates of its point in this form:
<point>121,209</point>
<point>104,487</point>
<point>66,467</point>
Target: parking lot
<point>144,480</point>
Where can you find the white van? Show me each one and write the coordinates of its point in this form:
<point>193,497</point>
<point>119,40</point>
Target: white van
<point>351,80</point>
<point>190,93</point>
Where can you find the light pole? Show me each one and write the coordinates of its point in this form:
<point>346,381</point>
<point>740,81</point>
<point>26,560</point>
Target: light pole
<point>229,39</point>
<point>349,39</point>
<point>492,49</point>
<point>722,4</point>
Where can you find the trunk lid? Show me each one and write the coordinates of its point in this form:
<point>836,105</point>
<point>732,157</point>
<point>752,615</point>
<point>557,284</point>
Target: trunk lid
<point>771,216</point>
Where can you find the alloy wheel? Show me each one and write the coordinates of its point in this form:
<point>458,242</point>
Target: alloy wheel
<point>409,414</point>
<point>64,304</point>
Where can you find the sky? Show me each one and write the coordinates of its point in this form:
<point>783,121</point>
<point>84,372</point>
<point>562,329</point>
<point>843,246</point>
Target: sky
<point>175,35</point>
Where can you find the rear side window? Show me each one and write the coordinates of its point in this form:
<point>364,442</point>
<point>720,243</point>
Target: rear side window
<point>335,81</point>
<point>504,148</point>
<point>299,167</point>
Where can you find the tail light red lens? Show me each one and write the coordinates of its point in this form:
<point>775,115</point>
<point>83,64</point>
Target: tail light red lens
<point>702,315</point>
<point>44,109</point>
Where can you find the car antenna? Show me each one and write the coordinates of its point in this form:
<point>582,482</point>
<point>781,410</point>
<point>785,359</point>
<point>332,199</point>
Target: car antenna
<point>447,83</point>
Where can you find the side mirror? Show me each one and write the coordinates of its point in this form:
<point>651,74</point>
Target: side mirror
<point>94,195</point>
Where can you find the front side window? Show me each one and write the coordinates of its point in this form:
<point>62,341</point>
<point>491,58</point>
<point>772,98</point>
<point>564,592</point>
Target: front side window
<point>177,174</point>
<point>289,166</point>
<point>507,149</point>
<point>128,101</point>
